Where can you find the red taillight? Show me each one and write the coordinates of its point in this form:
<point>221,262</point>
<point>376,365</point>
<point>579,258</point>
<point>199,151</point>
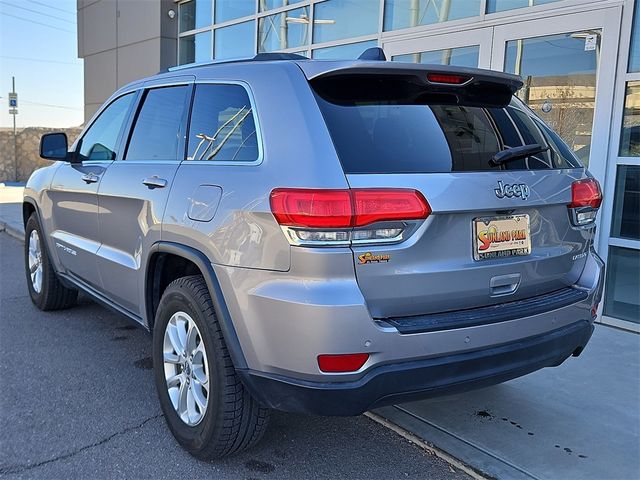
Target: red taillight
<point>377,205</point>
<point>349,362</point>
<point>586,193</point>
<point>307,208</point>
<point>448,78</point>
<point>296,207</point>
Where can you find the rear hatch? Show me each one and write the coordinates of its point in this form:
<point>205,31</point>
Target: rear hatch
<point>497,232</point>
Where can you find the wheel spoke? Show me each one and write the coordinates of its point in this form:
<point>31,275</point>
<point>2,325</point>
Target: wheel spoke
<point>175,381</point>
<point>199,395</point>
<point>192,335</point>
<point>174,338</point>
<point>182,401</point>
<point>172,358</point>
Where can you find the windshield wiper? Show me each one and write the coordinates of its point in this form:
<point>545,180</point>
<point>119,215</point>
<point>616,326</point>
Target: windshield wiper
<point>516,153</point>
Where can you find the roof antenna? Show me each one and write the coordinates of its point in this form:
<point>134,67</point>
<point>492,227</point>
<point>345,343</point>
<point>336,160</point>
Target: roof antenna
<point>373,53</point>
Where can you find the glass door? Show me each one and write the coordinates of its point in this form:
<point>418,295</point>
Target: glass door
<point>568,66</point>
<point>471,48</point>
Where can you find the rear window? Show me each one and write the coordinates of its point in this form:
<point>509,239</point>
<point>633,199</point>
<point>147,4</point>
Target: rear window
<point>383,130</point>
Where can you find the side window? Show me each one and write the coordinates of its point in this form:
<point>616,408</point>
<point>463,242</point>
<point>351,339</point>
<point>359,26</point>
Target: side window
<point>156,132</point>
<point>99,142</point>
<point>222,125</point>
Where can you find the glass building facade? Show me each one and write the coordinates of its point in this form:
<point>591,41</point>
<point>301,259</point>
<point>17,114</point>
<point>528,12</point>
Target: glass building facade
<point>580,60</point>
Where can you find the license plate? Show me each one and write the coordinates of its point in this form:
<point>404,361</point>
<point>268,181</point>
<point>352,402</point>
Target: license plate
<point>496,237</point>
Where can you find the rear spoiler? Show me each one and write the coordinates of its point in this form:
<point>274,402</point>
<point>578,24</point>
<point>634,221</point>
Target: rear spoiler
<point>429,83</point>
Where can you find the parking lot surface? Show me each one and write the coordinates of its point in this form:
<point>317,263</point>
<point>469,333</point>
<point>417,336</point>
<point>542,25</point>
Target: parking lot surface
<point>77,400</point>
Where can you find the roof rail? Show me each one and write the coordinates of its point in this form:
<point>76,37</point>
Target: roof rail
<point>261,57</point>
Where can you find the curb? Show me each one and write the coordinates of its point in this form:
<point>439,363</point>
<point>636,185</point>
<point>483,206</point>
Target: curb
<point>428,447</point>
<point>12,231</point>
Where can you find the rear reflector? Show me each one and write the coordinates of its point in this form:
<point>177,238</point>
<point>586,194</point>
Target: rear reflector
<point>450,79</point>
<point>586,193</point>
<point>349,362</point>
<point>335,209</point>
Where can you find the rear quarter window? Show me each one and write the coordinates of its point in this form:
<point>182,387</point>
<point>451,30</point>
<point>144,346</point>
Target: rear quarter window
<point>385,133</point>
<point>222,126</point>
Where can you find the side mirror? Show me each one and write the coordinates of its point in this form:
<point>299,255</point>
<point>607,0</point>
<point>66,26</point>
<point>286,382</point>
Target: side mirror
<point>53,146</point>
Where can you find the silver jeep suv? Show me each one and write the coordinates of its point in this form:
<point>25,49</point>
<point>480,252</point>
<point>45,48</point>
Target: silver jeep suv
<point>319,236</point>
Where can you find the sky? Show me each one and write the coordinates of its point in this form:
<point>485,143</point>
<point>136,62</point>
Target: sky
<point>38,45</point>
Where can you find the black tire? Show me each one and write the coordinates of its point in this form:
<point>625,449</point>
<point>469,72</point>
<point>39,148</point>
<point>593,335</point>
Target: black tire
<point>52,295</point>
<point>233,421</point>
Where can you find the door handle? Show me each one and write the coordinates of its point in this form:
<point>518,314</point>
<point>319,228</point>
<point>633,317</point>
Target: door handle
<point>154,182</point>
<point>90,178</point>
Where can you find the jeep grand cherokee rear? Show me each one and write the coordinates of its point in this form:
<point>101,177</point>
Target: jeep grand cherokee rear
<point>469,227</point>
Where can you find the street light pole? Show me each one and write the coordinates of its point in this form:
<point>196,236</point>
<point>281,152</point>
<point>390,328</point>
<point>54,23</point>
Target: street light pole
<point>15,138</point>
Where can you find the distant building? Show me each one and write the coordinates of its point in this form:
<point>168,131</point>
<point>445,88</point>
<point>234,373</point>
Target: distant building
<point>580,60</point>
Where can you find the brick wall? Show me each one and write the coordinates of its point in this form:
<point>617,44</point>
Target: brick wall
<point>28,145</point>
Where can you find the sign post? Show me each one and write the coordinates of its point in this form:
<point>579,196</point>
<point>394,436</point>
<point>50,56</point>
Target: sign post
<point>13,110</point>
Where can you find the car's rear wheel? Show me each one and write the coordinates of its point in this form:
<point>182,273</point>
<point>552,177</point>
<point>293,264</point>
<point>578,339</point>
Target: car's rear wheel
<point>206,406</point>
<point>45,289</point>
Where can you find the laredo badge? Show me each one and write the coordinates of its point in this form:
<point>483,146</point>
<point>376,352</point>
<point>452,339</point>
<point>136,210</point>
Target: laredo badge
<point>370,258</point>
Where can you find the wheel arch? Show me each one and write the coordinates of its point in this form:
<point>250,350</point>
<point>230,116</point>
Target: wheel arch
<point>168,259</point>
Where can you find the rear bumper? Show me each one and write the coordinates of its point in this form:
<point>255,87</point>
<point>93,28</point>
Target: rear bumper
<point>414,380</point>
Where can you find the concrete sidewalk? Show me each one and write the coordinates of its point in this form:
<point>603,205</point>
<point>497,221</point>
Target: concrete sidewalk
<point>577,421</point>
<point>11,210</point>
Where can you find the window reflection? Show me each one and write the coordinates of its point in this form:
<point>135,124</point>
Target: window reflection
<point>337,19</point>
<point>634,48</point>
<point>622,291</point>
<point>343,52</point>
<point>411,13</point>
<point>195,48</point>
<point>235,41</point>
<point>229,9</point>
<point>195,14</point>
<point>270,4</point>
<point>560,82</point>
<point>501,5</point>
<point>222,125</point>
<point>630,135</point>
<point>284,30</point>
<point>626,205</point>
<point>460,57</point>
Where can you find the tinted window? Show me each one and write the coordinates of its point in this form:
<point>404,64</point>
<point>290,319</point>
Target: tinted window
<point>156,132</point>
<point>222,125</point>
<point>99,142</point>
<point>389,131</point>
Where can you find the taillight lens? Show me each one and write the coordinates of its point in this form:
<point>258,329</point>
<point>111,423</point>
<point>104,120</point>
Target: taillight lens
<point>450,79</point>
<point>331,217</point>
<point>349,362</point>
<point>312,208</point>
<point>586,198</point>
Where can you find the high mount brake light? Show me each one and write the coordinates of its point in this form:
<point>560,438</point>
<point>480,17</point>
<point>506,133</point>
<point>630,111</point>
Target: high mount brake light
<point>332,217</point>
<point>448,78</point>
<point>586,198</point>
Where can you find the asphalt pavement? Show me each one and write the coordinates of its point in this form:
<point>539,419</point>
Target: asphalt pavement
<point>77,400</point>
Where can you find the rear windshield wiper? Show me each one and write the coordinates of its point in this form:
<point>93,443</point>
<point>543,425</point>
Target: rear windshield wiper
<point>516,153</point>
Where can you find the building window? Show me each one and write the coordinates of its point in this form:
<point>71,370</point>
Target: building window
<point>271,4</point>
<point>459,57</point>
<point>411,13</point>
<point>622,293</point>
<point>195,48</point>
<point>235,41</point>
<point>634,48</point>
<point>338,19</point>
<point>630,136</point>
<point>343,52</point>
<point>195,14</point>
<point>230,9</point>
<point>284,30</point>
<point>626,205</point>
<point>502,5</point>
